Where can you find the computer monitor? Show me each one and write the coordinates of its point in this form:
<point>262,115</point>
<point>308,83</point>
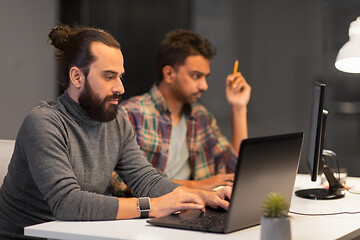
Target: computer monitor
<point>316,151</point>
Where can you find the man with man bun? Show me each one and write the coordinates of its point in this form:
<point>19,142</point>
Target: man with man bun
<point>66,150</point>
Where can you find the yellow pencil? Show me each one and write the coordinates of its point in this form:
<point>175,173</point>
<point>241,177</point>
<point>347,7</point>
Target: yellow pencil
<point>236,65</point>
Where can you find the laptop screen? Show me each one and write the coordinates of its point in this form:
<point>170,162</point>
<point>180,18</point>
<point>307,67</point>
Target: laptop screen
<point>265,165</point>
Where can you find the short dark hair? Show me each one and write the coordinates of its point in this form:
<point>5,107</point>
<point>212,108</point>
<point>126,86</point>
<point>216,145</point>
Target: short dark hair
<point>73,47</point>
<point>177,45</point>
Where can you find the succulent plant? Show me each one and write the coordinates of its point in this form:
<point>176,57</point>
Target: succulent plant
<point>275,206</point>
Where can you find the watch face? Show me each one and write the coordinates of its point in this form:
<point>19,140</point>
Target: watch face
<point>144,203</point>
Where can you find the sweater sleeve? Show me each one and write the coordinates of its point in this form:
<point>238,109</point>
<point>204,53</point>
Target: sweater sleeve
<point>136,171</point>
<point>43,142</point>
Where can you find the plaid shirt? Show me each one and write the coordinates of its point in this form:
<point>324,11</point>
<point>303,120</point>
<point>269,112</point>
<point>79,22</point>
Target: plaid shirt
<point>210,152</point>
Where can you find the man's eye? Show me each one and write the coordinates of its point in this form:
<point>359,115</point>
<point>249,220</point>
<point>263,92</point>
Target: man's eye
<point>196,76</point>
<point>109,76</point>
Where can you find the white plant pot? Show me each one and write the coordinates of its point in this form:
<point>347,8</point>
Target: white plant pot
<point>275,228</point>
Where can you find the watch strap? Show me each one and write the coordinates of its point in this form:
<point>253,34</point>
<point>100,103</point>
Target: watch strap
<point>144,207</point>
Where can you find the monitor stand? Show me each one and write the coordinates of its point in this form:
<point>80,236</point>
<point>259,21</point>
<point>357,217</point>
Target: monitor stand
<point>335,190</point>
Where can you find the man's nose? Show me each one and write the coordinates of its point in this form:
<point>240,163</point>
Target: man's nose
<point>203,84</point>
<point>119,86</point>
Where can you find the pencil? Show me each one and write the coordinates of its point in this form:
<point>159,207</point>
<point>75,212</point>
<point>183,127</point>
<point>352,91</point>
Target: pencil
<point>236,65</point>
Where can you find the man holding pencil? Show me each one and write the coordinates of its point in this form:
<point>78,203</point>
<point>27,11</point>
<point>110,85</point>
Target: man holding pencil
<point>179,136</point>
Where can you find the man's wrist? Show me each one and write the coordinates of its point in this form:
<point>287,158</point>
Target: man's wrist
<point>239,109</point>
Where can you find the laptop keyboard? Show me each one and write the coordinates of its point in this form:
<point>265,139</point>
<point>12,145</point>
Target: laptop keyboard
<point>211,220</point>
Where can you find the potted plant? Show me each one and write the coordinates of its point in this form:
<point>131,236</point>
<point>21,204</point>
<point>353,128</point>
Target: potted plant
<point>275,222</point>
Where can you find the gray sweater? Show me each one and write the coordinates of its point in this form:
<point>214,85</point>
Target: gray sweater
<point>61,167</point>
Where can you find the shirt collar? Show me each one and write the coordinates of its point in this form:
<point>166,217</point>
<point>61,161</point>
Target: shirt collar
<point>162,106</point>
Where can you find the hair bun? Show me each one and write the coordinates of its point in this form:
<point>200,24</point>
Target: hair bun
<point>60,35</point>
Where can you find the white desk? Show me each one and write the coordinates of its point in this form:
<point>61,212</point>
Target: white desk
<point>345,226</point>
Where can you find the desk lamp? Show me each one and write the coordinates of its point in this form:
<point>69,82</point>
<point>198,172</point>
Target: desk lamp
<point>348,58</point>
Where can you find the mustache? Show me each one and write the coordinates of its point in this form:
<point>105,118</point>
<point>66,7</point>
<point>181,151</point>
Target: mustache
<point>200,91</point>
<point>114,96</point>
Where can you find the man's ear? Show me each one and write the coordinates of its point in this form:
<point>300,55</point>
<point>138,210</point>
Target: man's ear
<point>168,73</point>
<point>76,77</point>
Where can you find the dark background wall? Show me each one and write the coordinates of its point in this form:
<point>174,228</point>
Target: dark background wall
<point>283,47</point>
<point>27,69</point>
<point>138,25</point>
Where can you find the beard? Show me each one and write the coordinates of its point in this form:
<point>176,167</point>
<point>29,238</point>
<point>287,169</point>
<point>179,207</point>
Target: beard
<point>97,109</point>
<point>186,98</point>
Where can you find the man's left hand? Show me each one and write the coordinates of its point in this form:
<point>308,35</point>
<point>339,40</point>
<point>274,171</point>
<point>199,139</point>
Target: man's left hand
<point>217,199</point>
<point>237,90</point>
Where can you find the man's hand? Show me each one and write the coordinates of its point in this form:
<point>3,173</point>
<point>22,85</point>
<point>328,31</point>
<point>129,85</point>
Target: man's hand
<point>238,95</point>
<point>237,90</point>
<point>212,199</point>
<point>182,198</point>
<point>214,181</point>
<point>217,199</point>
<point>177,200</point>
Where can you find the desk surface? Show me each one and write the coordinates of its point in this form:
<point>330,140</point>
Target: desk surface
<point>344,226</point>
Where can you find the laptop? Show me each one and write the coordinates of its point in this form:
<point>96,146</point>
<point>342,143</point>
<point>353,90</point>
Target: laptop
<point>265,164</point>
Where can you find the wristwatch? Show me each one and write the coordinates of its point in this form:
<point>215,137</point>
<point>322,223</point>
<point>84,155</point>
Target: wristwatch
<point>144,207</point>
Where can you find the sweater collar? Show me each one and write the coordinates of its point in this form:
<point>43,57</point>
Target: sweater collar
<point>76,111</point>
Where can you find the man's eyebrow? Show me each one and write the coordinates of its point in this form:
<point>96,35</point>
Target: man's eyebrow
<point>198,72</point>
<point>110,71</point>
<point>201,73</point>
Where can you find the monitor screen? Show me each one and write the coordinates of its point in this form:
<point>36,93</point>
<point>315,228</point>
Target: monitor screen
<point>317,131</point>
<point>315,155</point>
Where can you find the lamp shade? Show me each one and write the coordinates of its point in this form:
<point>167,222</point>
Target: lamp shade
<point>348,58</point>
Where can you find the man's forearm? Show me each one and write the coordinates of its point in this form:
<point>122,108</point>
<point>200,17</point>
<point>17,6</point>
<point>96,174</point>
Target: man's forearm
<point>239,126</point>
